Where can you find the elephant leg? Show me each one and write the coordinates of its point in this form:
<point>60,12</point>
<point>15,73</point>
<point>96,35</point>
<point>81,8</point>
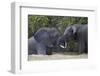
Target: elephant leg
<point>81,47</point>
<point>86,48</point>
<point>41,49</point>
<point>49,51</point>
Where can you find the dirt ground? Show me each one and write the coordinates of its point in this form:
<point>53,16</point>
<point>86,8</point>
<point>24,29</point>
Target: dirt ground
<point>57,56</point>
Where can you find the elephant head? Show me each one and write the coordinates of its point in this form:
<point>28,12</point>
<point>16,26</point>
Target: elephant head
<point>69,34</point>
<point>47,36</point>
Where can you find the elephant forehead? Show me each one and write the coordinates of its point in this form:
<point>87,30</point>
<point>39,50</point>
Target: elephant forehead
<point>67,29</point>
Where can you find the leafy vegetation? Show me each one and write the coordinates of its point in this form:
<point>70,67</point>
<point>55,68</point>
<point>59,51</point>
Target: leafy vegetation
<point>60,22</point>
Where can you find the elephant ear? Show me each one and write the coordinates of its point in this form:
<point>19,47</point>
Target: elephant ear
<point>42,36</point>
<point>74,29</point>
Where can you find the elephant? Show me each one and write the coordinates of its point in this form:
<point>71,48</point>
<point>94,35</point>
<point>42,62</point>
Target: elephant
<point>43,40</point>
<point>77,32</point>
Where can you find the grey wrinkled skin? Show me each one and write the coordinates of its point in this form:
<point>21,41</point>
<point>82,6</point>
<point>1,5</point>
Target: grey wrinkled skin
<point>76,32</point>
<point>42,40</point>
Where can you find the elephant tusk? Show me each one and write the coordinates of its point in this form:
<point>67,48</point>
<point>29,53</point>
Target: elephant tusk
<point>62,46</point>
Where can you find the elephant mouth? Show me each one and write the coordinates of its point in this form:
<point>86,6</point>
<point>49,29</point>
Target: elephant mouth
<point>64,46</point>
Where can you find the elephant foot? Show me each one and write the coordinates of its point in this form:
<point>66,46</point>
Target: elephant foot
<point>86,52</point>
<point>30,52</point>
<point>49,52</point>
<point>80,52</point>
